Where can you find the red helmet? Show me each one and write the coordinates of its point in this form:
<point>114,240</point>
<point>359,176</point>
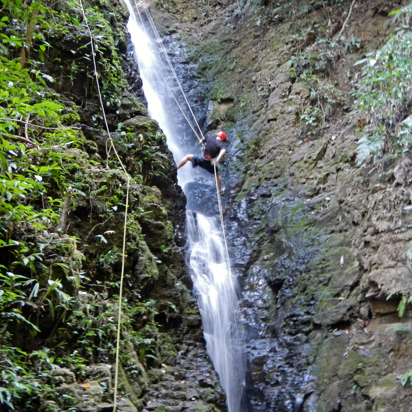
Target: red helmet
<point>222,135</point>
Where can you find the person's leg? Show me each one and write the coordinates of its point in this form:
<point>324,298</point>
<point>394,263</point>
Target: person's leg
<point>185,160</point>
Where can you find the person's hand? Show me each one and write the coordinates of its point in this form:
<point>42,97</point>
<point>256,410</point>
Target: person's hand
<point>214,162</point>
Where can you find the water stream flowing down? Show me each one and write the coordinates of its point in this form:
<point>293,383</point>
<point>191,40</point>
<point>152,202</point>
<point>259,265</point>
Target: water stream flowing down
<point>208,261</point>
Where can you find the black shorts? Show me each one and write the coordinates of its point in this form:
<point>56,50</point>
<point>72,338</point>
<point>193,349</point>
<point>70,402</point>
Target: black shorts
<point>204,164</point>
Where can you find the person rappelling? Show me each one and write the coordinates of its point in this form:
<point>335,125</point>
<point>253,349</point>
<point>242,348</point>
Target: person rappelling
<point>213,153</point>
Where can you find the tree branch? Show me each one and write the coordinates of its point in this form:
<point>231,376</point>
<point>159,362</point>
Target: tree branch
<point>65,212</point>
<point>36,125</point>
<point>347,18</point>
<point>21,138</point>
<point>26,127</point>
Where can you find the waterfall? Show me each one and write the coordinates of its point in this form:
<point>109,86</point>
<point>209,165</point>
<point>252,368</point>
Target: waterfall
<point>213,282</point>
<point>218,304</point>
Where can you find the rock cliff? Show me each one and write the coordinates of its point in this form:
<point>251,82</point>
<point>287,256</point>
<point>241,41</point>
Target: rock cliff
<point>319,229</point>
<point>87,180</point>
<point>315,98</point>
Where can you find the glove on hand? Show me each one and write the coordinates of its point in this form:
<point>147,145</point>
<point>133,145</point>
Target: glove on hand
<point>214,162</point>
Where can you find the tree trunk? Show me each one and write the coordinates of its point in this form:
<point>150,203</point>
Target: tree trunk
<point>25,51</point>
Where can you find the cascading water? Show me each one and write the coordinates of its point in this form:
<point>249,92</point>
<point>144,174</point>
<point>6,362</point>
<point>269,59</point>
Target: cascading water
<point>208,261</point>
<point>218,304</point>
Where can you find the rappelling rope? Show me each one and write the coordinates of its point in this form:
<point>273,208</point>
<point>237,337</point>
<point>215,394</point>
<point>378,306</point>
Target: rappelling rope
<point>199,133</point>
<point>128,183</point>
<point>166,82</point>
<point>125,213</point>
<point>222,222</point>
<point>159,39</point>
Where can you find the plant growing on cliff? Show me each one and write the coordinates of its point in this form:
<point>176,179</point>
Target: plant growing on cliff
<point>20,385</point>
<point>407,377</point>
<point>383,95</point>
<point>324,97</point>
<point>403,303</point>
<point>35,134</point>
<point>322,54</point>
<point>43,154</point>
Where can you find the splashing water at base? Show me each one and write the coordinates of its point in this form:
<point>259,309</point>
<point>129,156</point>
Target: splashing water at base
<point>213,282</point>
<point>218,304</point>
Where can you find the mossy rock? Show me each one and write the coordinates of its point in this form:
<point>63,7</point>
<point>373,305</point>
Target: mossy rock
<point>329,358</point>
<point>384,391</point>
<point>141,124</point>
<point>145,268</point>
<point>334,312</point>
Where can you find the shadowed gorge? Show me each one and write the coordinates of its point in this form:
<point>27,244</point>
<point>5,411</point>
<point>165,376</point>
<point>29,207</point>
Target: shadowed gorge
<point>315,98</point>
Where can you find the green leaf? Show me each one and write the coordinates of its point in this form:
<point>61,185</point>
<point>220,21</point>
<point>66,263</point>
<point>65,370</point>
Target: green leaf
<point>18,317</point>
<point>3,162</point>
<point>407,378</point>
<point>395,12</point>
<point>51,307</point>
<point>102,238</point>
<point>48,105</point>
<point>47,77</point>
<point>402,306</point>
<point>54,284</point>
<point>361,62</point>
<point>35,291</point>
<point>5,398</point>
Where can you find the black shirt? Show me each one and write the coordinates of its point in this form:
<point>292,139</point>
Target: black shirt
<point>212,148</point>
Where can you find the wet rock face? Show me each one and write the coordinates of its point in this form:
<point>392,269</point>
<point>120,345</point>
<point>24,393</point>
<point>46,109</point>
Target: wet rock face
<point>321,245</point>
<point>306,292</point>
<point>202,198</point>
<point>188,385</point>
<point>277,335</point>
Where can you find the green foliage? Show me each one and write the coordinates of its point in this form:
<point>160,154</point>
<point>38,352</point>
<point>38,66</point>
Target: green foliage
<point>149,160</point>
<point>353,45</point>
<point>383,94</point>
<point>18,291</point>
<point>105,42</point>
<point>35,132</point>
<point>311,116</point>
<point>310,68</point>
<point>369,144</point>
<point>11,296</point>
<point>323,96</point>
<point>407,378</point>
<point>403,303</point>
<point>42,156</point>
<point>323,54</point>
<point>28,173</point>
<point>13,39</point>
<point>94,328</point>
<point>20,384</point>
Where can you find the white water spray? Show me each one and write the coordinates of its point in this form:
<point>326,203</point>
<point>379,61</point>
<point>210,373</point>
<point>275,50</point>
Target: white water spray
<point>208,263</point>
<point>218,303</point>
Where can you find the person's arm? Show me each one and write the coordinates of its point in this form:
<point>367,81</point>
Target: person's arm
<point>220,155</point>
